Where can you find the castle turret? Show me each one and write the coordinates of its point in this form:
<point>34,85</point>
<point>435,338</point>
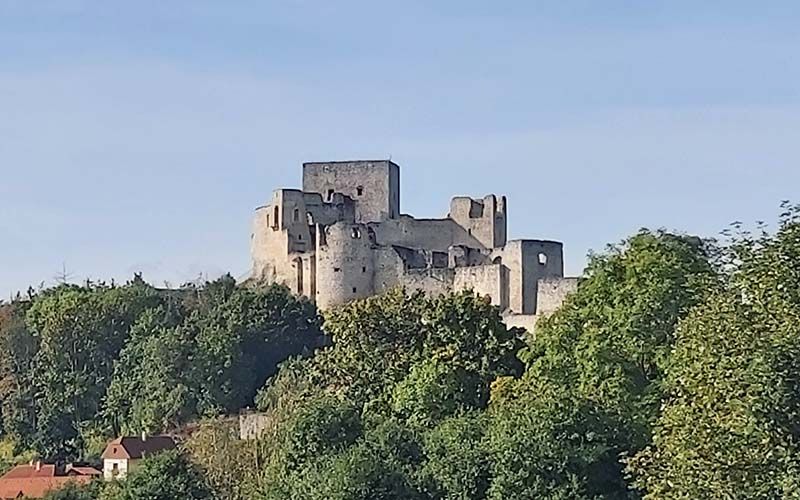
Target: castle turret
<point>345,264</point>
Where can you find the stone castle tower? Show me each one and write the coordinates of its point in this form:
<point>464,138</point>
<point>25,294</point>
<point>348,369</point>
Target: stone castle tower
<point>343,237</point>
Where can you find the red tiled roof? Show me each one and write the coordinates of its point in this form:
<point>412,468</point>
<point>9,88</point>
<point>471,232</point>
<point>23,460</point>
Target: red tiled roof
<point>22,471</point>
<point>134,447</point>
<point>36,487</point>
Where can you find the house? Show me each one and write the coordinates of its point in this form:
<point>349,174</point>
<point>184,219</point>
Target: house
<point>123,454</point>
<point>35,480</point>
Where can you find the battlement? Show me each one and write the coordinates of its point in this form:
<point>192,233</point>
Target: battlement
<point>343,237</point>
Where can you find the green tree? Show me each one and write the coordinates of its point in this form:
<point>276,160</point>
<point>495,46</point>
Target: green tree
<point>592,387</point>
<point>76,492</point>
<point>729,427</point>
<point>17,350</point>
<point>80,331</point>
<point>213,362</point>
<point>350,422</point>
<point>164,476</point>
<point>457,460</point>
<point>611,341</point>
<point>545,441</point>
<point>154,384</point>
<point>229,464</point>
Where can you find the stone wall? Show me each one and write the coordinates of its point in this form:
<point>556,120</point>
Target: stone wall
<point>485,219</point>
<point>552,293</point>
<point>345,264</point>
<point>430,281</point>
<point>489,280</point>
<point>252,425</point>
<point>373,185</point>
<point>431,234</point>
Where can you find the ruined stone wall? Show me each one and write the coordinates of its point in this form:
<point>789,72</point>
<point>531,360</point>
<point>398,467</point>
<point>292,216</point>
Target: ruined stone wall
<point>340,209</point>
<point>373,185</point>
<point>292,219</point>
<point>540,259</point>
<point>269,247</point>
<point>345,264</point>
<point>431,234</point>
<point>389,269</point>
<point>528,261</point>
<point>489,280</point>
<point>252,425</point>
<point>552,292</point>
<point>484,219</point>
<point>431,281</point>
<point>525,321</point>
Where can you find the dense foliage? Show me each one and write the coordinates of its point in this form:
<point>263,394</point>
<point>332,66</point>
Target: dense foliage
<point>672,373</point>
<point>81,364</point>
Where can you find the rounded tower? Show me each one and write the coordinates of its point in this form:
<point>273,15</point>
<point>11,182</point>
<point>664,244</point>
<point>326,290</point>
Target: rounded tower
<point>345,264</point>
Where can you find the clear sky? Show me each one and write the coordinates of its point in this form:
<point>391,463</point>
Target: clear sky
<point>139,135</point>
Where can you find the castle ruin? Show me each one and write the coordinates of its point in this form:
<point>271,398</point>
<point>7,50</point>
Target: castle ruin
<point>343,237</point>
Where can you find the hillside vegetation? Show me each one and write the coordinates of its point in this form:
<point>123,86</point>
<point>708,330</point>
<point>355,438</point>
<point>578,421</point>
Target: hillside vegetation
<point>672,373</point>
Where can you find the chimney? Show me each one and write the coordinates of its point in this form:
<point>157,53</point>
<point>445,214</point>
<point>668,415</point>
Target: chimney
<point>144,436</point>
<point>38,465</point>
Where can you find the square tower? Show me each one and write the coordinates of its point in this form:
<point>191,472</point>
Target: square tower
<point>373,184</point>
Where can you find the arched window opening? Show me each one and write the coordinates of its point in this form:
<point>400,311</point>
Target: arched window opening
<point>275,214</point>
<point>542,259</point>
<point>296,215</point>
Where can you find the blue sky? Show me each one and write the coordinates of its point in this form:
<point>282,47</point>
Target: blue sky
<point>139,135</point>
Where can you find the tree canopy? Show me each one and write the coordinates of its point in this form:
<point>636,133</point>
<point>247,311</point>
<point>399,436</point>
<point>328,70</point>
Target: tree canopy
<point>671,373</point>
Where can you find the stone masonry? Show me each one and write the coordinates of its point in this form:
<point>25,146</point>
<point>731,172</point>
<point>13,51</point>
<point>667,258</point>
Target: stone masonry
<point>343,237</point>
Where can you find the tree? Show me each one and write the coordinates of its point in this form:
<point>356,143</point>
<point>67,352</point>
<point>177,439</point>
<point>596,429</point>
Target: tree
<point>729,427</point>
<point>545,441</point>
<point>457,460</point>
<point>76,492</point>
<point>229,464</point>
<point>17,350</point>
<point>350,422</point>
<point>612,339</point>
<point>79,331</point>
<point>154,385</point>
<point>164,476</point>
<point>211,363</point>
